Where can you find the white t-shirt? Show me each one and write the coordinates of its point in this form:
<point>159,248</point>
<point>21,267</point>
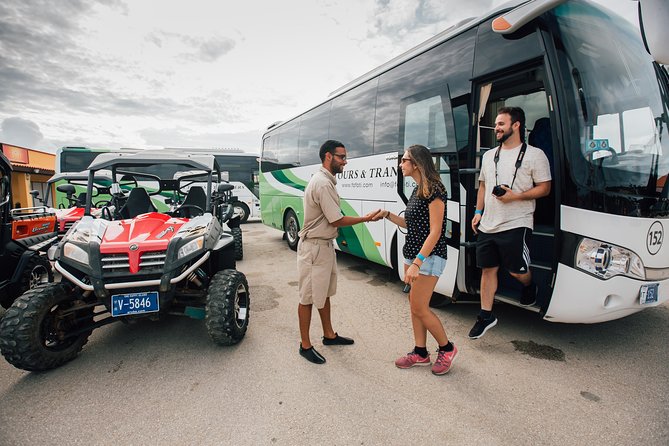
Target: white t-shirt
<point>498,216</point>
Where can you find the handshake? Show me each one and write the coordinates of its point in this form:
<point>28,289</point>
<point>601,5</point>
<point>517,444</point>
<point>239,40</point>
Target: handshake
<point>377,215</point>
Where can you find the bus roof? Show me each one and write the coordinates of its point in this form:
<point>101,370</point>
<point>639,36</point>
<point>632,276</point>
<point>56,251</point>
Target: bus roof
<point>151,157</point>
<point>214,151</point>
<point>430,43</point>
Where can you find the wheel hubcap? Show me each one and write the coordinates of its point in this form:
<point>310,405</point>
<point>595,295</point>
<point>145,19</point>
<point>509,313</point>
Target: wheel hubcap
<point>241,306</point>
<point>38,275</point>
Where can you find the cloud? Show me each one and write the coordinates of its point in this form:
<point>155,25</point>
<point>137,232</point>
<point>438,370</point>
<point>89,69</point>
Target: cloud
<point>20,132</point>
<point>201,49</point>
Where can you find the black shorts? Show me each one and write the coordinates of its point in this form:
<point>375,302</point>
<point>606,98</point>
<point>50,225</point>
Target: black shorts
<point>508,249</point>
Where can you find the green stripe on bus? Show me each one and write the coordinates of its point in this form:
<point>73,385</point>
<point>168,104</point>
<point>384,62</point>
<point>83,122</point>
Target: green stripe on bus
<point>359,241</point>
<point>286,178</point>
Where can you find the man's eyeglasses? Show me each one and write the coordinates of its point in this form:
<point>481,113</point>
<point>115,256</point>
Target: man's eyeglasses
<point>404,159</point>
<point>341,157</point>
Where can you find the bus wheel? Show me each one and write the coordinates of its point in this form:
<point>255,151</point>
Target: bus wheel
<point>291,228</point>
<point>242,210</point>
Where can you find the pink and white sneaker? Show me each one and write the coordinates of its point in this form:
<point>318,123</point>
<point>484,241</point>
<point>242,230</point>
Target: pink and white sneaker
<point>411,359</point>
<point>444,361</point>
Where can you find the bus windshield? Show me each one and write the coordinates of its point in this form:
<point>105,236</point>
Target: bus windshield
<point>624,145</point>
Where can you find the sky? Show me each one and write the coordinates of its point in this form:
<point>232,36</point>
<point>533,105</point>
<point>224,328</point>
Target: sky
<point>198,73</point>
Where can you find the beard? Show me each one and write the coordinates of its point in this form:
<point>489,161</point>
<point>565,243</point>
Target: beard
<point>505,136</point>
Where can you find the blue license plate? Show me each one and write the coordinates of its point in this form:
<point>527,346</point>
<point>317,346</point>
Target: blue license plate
<point>134,303</point>
<point>648,293</point>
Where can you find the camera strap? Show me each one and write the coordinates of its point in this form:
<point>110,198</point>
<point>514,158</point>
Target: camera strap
<point>519,161</point>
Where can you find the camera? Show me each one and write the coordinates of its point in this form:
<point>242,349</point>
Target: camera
<point>498,190</point>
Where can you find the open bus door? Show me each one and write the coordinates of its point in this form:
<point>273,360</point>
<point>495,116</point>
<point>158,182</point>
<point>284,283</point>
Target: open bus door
<point>525,88</point>
<point>423,122</point>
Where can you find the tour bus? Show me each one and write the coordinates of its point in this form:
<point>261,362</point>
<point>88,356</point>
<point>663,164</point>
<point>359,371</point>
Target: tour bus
<point>240,168</point>
<point>595,102</point>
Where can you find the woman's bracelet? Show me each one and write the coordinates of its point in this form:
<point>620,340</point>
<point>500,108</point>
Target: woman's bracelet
<point>414,263</point>
<point>387,215</point>
<point>420,257</point>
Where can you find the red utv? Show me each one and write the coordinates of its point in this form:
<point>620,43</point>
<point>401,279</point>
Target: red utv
<point>134,263</point>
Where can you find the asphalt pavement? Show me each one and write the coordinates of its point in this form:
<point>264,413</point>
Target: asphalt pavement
<point>526,382</point>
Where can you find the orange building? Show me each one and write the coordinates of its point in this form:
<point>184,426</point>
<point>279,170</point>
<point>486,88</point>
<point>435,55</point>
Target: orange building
<point>31,171</point>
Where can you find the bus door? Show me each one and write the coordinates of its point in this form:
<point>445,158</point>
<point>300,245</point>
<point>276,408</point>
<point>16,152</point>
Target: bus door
<point>525,88</point>
<point>427,120</point>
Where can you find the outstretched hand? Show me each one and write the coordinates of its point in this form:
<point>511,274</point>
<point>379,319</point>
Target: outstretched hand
<point>372,216</point>
<point>379,214</point>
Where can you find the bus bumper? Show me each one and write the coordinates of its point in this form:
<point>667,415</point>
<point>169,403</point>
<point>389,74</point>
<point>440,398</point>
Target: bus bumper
<point>581,298</point>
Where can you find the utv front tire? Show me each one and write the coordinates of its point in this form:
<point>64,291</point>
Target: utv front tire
<point>40,331</point>
<point>227,308</point>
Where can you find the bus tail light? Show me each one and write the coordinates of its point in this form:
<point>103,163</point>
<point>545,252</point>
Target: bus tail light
<point>606,260</point>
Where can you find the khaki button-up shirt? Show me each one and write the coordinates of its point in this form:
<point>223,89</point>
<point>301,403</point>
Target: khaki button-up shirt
<point>321,206</point>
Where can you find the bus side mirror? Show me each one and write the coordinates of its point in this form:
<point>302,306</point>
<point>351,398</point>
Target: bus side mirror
<point>653,18</point>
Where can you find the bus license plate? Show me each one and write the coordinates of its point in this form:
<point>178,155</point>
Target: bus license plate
<point>134,303</point>
<point>648,294</point>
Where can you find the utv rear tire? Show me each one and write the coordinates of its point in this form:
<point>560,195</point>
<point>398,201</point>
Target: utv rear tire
<point>239,245</point>
<point>37,272</point>
<point>227,308</point>
<point>242,210</point>
<point>34,331</point>
<point>291,228</point>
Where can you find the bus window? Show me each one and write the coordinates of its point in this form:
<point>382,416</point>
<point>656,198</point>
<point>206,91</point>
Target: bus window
<point>353,116</point>
<point>313,132</point>
<point>424,123</point>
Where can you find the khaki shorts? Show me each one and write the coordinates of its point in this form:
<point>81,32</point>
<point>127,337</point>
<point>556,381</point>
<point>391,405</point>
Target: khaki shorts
<point>317,271</point>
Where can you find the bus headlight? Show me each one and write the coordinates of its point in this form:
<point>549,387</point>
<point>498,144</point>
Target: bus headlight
<point>190,247</point>
<point>606,260</point>
<point>72,251</point>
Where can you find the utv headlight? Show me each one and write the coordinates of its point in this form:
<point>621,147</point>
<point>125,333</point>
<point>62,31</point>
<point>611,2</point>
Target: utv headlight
<point>606,260</point>
<point>191,247</point>
<point>72,251</point>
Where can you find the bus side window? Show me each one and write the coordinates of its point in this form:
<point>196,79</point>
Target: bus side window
<point>424,121</point>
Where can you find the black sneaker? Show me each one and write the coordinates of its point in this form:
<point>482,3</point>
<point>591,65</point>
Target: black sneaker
<point>337,340</point>
<point>481,326</point>
<point>529,295</point>
<point>311,355</point>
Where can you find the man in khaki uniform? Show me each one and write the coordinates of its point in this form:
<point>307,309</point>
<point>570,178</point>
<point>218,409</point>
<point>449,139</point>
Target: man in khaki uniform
<point>316,257</point>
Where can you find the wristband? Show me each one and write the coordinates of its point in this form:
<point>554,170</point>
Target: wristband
<point>417,265</point>
<point>478,211</point>
<point>420,257</point>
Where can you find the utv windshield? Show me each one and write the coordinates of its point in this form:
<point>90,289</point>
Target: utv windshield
<point>623,148</point>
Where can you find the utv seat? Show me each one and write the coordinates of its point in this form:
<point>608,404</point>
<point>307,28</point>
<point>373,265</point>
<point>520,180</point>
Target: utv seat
<point>196,196</point>
<point>138,203</point>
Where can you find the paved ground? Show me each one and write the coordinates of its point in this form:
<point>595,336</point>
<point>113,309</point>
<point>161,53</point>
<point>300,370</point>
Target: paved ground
<point>526,382</point>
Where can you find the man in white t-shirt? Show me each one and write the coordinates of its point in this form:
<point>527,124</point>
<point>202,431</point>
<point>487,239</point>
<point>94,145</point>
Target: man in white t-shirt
<point>512,177</point>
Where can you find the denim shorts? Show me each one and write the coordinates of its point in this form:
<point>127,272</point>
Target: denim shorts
<point>432,266</point>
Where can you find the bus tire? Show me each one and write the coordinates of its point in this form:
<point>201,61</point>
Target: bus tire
<point>242,210</point>
<point>291,229</point>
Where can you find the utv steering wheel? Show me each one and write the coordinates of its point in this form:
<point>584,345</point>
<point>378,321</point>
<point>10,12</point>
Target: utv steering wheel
<point>102,203</point>
<point>189,206</point>
<point>108,212</point>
